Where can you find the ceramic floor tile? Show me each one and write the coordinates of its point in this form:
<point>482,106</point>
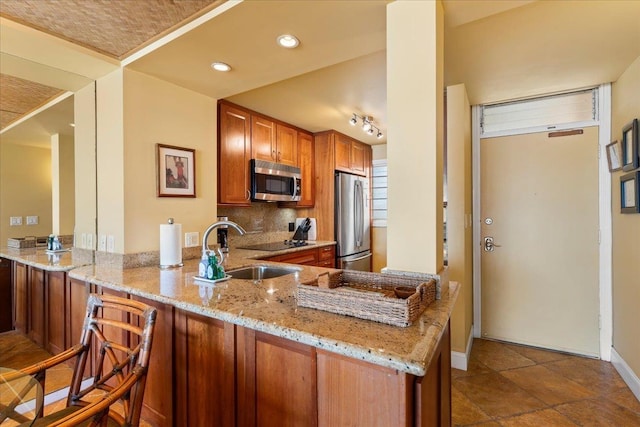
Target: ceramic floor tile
<point>625,398</point>
<point>548,386</point>
<point>599,412</point>
<point>497,356</point>
<point>497,396</point>
<point>474,367</point>
<point>536,354</point>
<point>546,417</point>
<point>595,374</point>
<point>465,412</point>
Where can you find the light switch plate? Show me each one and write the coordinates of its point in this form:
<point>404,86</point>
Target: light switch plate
<point>32,220</point>
<point>15,220</point>
<point>89,241</point>
<point>102,243</point>
<point>191,239</point>
<point>111,244</point>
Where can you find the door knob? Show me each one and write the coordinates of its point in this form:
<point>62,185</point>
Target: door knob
<point>489,244</point>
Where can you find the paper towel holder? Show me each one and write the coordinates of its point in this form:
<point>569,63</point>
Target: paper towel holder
<point>171,221</point>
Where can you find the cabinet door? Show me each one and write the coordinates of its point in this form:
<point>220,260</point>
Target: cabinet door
<point>54,312</point>
<point>6,296</point>
<point>20,295</point>
<point>358,158</point>
<point>287,145</point>
<point>356,393</point>
<point>306,161</point>
<point>75,313</point>
<point>303,257</point>
<point>343,153</point>
<point>157,406</point>
<point>204,352</point>
<point>36,305</point>
<point>263,139</point>
<point>327,256</point>
<point>276,381</point>
<point>234,153</point>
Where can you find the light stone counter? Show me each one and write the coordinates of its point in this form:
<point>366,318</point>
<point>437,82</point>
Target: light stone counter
<point>39,258</point>
<point>270,306</point>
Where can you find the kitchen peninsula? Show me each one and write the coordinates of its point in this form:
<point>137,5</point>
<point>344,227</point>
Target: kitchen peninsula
<point>242,353</point>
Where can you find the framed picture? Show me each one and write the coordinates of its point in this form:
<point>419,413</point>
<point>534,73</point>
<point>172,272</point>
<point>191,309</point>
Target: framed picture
<point>630,149</point>
<point>630,193</point>
<point>176,171</point>
<point>614,156</point>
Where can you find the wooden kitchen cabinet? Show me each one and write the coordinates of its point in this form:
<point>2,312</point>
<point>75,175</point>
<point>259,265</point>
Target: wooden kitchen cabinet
<point>204,364</point>
<point>20,296</point>
<point>276,381</point>
<point>234,154</point>
<point>273,142</point>
<point>306,161</point>
<point>286,145</point>
<point>6,295</point>
<point>319,257</point>
<point>36,305</point>
<point>350,155</point>
<point>55,292</point>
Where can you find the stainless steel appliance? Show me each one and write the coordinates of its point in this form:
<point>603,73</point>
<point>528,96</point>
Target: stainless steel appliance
<point>274,182</point>
<point>352,222</point>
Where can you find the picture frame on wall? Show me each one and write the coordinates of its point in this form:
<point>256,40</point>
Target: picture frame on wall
<point>630,149</point>
<point>614,156</point>
<point>176,170</point>
<point>630,193</point>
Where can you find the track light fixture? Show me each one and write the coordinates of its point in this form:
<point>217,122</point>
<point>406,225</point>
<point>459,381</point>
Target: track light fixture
<point>367,125</point>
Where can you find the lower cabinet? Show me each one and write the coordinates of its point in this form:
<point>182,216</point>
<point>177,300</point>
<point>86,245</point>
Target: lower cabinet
<point>20,293</point>
<point>54,296</point>
<point>36,322</point>
<point>324,256</point>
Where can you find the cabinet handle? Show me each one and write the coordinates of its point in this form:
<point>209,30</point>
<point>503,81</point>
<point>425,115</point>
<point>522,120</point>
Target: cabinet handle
<point>273,155</point>
<point>248,195</point>
<point>279,156</point>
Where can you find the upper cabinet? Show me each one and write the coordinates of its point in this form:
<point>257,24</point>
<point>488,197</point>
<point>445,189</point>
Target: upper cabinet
<point>273,142</point>
<point>234,153</point>
<point>244,135</point>
<point>350,155</point>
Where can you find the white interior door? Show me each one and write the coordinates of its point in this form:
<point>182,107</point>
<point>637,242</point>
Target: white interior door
<point>539,203</point>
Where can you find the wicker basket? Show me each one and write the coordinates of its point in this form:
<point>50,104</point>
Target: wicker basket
<point>367,296</point>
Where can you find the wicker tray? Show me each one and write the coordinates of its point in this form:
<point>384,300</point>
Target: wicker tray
<point>367,296</point>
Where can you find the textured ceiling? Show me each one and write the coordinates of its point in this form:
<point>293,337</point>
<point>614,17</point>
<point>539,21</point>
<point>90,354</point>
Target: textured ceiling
<point>114,28</point>
<point>19,97</point>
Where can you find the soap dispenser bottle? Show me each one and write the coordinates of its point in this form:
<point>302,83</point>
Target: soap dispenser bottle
<point>202,267</point>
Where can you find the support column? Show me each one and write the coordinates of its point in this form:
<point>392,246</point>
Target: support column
<point>415,122</point>
<point>62,184</point>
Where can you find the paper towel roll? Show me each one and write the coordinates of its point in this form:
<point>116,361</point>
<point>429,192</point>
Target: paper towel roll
<point>170,245</point>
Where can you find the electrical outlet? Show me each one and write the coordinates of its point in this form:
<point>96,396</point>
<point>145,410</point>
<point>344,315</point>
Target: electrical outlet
<point>32,220</point>
<point>191,239</point>
<point>83,240</point>
<point>102,243</point>
<point>111,243</point>
<point>292,226</point>
<point>90,241</point>
<point>15,220</point>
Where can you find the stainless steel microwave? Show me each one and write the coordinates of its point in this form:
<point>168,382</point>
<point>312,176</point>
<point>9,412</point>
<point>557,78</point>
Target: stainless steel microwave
<point>274,182</point>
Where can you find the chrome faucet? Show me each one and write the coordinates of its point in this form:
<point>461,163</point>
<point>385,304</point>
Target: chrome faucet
<point>205,238</point>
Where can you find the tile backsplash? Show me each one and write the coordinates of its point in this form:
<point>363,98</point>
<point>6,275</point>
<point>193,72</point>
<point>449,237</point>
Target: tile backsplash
<point>264,222</point>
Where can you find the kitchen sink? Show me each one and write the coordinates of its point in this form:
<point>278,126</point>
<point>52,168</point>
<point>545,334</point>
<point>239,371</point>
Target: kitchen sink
<point>260,272</point>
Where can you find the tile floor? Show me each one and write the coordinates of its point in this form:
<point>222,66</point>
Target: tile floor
<point>512,385</point>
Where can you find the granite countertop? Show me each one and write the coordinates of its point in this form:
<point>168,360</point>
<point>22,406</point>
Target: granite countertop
<point>39,258</point>
<point>270,306</point>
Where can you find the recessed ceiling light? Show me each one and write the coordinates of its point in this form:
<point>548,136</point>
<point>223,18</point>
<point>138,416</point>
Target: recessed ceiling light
<point>289,41</point>
<point>221,66</point>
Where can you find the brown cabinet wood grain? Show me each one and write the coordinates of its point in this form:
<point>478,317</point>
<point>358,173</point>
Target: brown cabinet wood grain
<point>342,147</point>
<point>36,305</point>
<point>55,297</point>
<point>358,158</point>
<point>204,361</point>
<point>277,386</point>
<point>286,145</point>
<point>6,295</point>
<point>263,139</point>
<point>157,406</point>
<point>20,295</point>
<point>234,153</point>
<point>320,257</point>
<point>306,161</point>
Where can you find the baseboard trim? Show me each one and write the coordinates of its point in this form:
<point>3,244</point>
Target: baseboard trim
<point>626,373</point>
<point>460,360</point>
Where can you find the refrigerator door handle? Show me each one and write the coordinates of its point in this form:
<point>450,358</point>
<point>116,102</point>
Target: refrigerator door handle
<point>358,212</point>
<point>359,259</point>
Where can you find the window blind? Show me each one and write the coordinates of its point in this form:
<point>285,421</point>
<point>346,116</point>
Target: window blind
<point>379,193</point>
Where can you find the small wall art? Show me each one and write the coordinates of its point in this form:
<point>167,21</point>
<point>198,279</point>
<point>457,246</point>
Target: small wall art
<point>614,156</point>
<point>630,193</point>
<point>630,149</point>
<point>176,171</point>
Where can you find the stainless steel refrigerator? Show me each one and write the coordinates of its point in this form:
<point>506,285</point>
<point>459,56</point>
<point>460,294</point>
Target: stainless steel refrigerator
<point>352,222</point>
